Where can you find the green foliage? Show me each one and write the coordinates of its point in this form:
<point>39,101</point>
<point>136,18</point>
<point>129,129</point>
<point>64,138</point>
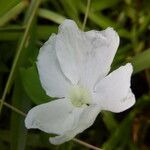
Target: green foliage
<point>25,25</point>
<point>7,5</point>
<point>32,86</point>
<point>13,12</point>
<point>141,61</point>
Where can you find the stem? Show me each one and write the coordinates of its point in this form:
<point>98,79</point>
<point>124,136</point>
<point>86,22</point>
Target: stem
<point>13,108</point>
<point>86,144</point>
<point>86,14</point>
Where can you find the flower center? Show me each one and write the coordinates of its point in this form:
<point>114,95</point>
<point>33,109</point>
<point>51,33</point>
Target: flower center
<point>79,96</point>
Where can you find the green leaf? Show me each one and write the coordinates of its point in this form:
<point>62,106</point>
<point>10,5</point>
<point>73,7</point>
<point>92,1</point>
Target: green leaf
<point>24,40</point>
<point>50,15</point>
<point>141,61</point>
<point>18,130</point>
<point>45,31</point>
<point>71,10</point>
<point>116,140</point>
<point>20,99</point>
<point>6,5</point>
<point>109,121</point>
<point>32,85</point>
<point>34,140</point>
<point>12,13</point>
<point>103,4</point>
<point>11,34</point>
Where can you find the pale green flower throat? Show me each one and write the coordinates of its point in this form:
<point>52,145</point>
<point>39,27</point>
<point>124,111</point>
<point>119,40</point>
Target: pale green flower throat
<point>79,96</point>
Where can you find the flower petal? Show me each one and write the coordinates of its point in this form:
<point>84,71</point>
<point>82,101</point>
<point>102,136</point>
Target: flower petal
<point>113,92</point>
<point>53,80</point>
<point>104,46</point>
<point>85,56</point>
<point>86,119</point>
<point>70,45</point>
<point>56,117</point>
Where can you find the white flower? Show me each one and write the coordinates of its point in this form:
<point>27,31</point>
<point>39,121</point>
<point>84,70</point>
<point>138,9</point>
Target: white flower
<point>73,66</point>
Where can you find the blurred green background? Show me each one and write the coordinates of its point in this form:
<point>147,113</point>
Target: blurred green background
<point>26,24</point>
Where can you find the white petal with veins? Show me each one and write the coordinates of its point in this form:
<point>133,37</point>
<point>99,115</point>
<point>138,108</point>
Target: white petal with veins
<point>53,80</point>
<point>67,49</point>
<point>104,46</point>
<point>56,117</point>
<point>87,118</point>
<point>85,57</point>
<point>113,92</point>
